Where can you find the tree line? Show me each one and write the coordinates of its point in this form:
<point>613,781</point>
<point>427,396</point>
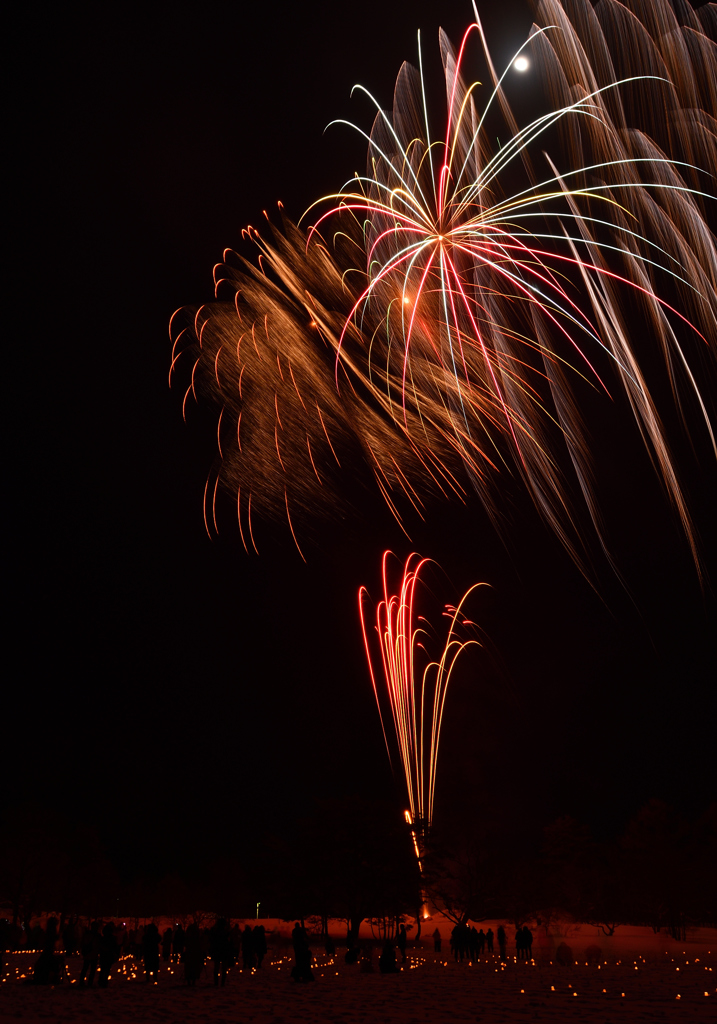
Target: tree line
<point>355,859</point>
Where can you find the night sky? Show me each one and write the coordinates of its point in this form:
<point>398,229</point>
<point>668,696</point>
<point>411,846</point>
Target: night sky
<point>163,684</point>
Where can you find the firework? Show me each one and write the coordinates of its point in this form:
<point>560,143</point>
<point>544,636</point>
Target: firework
<point>415,688</point>
<point>445,312</point>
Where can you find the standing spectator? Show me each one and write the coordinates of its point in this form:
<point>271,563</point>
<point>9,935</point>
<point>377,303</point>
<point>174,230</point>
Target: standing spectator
<point>90,950</point>
<point>69,936</point>
<point>150,952</point>
<point>302,954</point>
<point>481,942</point>
<point>123,939</point>
<point>48,968</point>
<point>298,935</point>
<point>247,947</point>
<point>259,943</point>
<point>463,938</point>
<point>220,950</point>
<point>436,941</point>
<point>455,941</point>
<point>527,942</point>
<point>193,954</point>
<point>235,934</point>
<point>109,954</point>
<point>489,940</point>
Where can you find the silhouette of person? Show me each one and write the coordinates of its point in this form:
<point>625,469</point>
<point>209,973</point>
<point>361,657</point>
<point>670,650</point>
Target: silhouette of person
<point>298,935</point>
<point>109,954</point>
<point>47,970</point>
<point>49,938</point>
<point>150,952</point>
<point>401,940</point>
<point>302,954</point>
<point>455,941</point>
<point>527,942</point>
<point>193,955</point>
<point>235,934</point>
<point>123,942</point>
<point>436,941</point>
<point>481,942</point>
<point>137,941</point>
<point>259,943</point>
<point>460,939</point>
<point>387,960</point>
<point>489,940</point>
<point>220,950</point>
<point>69,937</point>
<point>90,950</point>
<point>473,943</point>
<point>247,947</point>
<point>519,943</point>
<point>502,941</point>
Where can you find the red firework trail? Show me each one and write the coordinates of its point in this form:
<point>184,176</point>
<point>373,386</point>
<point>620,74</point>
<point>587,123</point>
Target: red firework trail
<point>414,687</point>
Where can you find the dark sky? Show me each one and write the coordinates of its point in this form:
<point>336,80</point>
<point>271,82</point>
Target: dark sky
<point>161,680</point>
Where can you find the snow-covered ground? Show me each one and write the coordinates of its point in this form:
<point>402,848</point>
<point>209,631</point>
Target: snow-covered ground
<point>639,979</point>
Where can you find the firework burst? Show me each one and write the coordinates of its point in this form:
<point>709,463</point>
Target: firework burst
<point>447,309</point>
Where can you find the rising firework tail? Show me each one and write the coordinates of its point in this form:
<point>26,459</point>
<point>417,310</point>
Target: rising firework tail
<point>441,315</point>
<point>411,687</point>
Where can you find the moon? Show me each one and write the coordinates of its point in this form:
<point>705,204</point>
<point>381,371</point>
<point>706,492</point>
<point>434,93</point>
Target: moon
<point>521,63</point>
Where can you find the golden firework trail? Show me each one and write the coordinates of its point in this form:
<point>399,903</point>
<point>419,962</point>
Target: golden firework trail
<point>414,688</point>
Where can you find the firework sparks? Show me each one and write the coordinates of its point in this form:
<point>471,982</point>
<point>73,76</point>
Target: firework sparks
<point>415,688</point>
<point>445,310</point>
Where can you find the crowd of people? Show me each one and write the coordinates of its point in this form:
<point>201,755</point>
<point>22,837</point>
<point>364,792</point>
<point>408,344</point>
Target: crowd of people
<point>101,944</point>
<point>469,944</point>
<point>524,943</point>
